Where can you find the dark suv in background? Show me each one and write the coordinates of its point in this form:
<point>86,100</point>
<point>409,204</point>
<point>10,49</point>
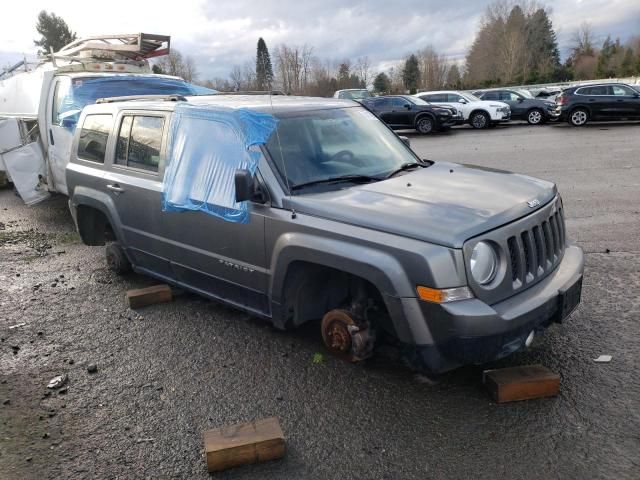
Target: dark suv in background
<point>611,101</point>
<point>404,111</point>
<point>524,106</point>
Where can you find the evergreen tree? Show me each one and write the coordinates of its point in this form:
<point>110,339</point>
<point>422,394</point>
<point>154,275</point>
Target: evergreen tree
<point>411,74</point>
<point>55,32</point>
<point>604,59</point>
<point>627,68</point>
<point>454,79</point>
<point>264,69</point>
<point>382,83</point>
<point>542,45</point>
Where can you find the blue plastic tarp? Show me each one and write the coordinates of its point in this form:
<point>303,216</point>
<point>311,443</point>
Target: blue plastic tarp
<point>87,90</point>
<point>207,145</point>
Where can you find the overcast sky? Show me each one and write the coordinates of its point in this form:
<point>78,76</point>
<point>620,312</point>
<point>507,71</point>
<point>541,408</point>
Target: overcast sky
<point>223,33</point>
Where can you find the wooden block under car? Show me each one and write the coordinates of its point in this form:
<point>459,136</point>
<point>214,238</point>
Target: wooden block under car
<point>245,443</point>
<point>142,297</point>
<point>521,383</point>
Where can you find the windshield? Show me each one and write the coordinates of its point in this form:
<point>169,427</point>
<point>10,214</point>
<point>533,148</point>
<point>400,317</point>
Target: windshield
<point>416,100</point>
<point>470,97</point>
<point>525,93</point>
<point>355,94</point>
<point>323,144</point>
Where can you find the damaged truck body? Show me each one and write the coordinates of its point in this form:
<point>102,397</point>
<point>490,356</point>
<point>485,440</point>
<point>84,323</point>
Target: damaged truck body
<point>299,209</point>
<point>40,104</point>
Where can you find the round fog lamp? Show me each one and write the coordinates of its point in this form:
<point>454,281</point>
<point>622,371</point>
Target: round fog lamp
<point>484,263</point>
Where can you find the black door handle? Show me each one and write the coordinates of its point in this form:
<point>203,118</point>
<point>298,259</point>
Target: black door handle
<point>51,137</point>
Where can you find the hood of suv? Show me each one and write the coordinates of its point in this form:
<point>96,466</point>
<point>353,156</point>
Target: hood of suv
<point>445,204</point>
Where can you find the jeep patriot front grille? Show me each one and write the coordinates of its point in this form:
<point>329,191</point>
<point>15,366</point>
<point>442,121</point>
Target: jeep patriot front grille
<point>537,250</point>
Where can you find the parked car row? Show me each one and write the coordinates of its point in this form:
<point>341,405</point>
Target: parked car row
<point>435,111</point>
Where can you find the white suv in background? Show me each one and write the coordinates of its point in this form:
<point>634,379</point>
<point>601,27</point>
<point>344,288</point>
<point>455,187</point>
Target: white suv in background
<point>477,113</point>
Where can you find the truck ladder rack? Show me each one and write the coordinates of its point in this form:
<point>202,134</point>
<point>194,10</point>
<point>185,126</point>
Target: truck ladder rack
<point>137,46</point>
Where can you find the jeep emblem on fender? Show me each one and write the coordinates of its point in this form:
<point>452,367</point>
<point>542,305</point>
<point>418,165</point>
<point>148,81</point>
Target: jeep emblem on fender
<point>533,203</point>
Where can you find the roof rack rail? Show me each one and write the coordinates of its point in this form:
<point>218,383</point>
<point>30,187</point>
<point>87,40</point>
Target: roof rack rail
<point>130,98</point>
<point>254,92</point>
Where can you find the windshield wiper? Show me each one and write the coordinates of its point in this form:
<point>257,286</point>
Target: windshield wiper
<point>343,178</point>
<point>404,167</point>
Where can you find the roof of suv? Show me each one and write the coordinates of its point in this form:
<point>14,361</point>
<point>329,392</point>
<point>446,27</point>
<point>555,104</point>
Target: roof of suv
<point>260,103</point>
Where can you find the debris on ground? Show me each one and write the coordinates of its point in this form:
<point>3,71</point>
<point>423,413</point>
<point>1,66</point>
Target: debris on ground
<point>603,359</point>
<point>318,358</point>
<point>92,368</point>
<point>59,381</point>
<point>142,297</point>
<point>521,383</point>
<point>242,444</point>
<point>18,325</point>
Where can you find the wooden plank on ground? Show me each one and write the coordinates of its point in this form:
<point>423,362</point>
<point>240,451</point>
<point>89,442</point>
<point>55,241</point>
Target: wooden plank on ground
<point>521,383</point>
<point>142,297</point>
<point>245,443</point>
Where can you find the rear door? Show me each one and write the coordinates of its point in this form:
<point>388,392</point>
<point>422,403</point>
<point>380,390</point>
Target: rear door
<point>134,182</point>
<point>623,101</point>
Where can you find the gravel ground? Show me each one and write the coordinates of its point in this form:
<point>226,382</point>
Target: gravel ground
<point>168,372</point>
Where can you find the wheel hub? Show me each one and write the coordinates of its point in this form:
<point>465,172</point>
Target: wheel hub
<point>344,338</point>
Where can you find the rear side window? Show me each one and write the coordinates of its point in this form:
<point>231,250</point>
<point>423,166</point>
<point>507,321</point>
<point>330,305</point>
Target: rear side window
<point>491,96</point>
<point>93,137</point>
<point>140,142</point>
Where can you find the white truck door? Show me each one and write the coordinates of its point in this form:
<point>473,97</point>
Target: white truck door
<point>61,119</point>
<point>24,164</point>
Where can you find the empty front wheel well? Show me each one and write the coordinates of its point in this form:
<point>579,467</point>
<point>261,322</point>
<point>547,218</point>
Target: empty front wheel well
<point>311,290</point>
<point>93,226</point>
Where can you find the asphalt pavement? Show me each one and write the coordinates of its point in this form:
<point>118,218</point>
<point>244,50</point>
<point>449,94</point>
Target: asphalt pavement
<point>168,372</point>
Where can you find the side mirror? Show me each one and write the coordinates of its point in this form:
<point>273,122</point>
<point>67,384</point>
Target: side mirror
<point>636,95</point>
<point>462,100</point>
<point>407,106</point>
<point>244,184</point>
<point>520,99</point>
<point>405,140</point>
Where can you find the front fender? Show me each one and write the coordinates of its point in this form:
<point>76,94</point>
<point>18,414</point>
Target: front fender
<point>377,267</point>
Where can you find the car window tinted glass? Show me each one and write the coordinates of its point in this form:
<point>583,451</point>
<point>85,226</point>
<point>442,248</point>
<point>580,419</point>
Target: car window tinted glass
<point>435,97</point>
<point>322,144</point>
<point>123,140</point>
<point>453,97</point>
<point>620,90</point>
<point>139,142</point>
<point>93,137</point>
<point>381,103</point>
<point>491,96</point>
<point>417,101</point>
<point>398,102</point>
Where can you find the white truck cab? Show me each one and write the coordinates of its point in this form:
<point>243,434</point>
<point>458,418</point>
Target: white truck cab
<point>39,107</point>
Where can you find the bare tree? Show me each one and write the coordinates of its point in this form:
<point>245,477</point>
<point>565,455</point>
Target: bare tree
<point>236,78</point>
<point>363,69</point>
<point>433,69</point>
<point>178,65</point>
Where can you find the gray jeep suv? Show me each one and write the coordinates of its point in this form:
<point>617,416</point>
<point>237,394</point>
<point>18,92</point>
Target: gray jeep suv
<point>340,222</point>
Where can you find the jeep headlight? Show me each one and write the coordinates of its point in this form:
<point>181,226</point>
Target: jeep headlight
<point>484,263</point>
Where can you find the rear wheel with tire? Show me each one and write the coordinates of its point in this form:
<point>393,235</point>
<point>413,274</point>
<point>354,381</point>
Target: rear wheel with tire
<point>578,117</point>
<point>425,125</point>
<point>480,120</point>
<point>535,117</point>
<point>117,261</point>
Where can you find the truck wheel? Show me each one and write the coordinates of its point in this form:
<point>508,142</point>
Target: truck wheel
<point>116,259</point>
<point>424,125</point>
<point>480,120</point>
<point>535,117</point>
<point>578,117</point>
<point>344,338</point>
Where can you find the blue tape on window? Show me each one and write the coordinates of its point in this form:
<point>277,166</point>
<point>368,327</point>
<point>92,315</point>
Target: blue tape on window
<point>207,145</point>
<point>86,90</point>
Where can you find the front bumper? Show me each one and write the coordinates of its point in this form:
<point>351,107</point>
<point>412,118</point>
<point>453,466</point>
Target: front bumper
<point>501,116</point>
<point>471,332</point>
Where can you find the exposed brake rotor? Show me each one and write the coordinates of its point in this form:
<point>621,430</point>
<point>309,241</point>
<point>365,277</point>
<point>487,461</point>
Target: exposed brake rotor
<point>344,338</point>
